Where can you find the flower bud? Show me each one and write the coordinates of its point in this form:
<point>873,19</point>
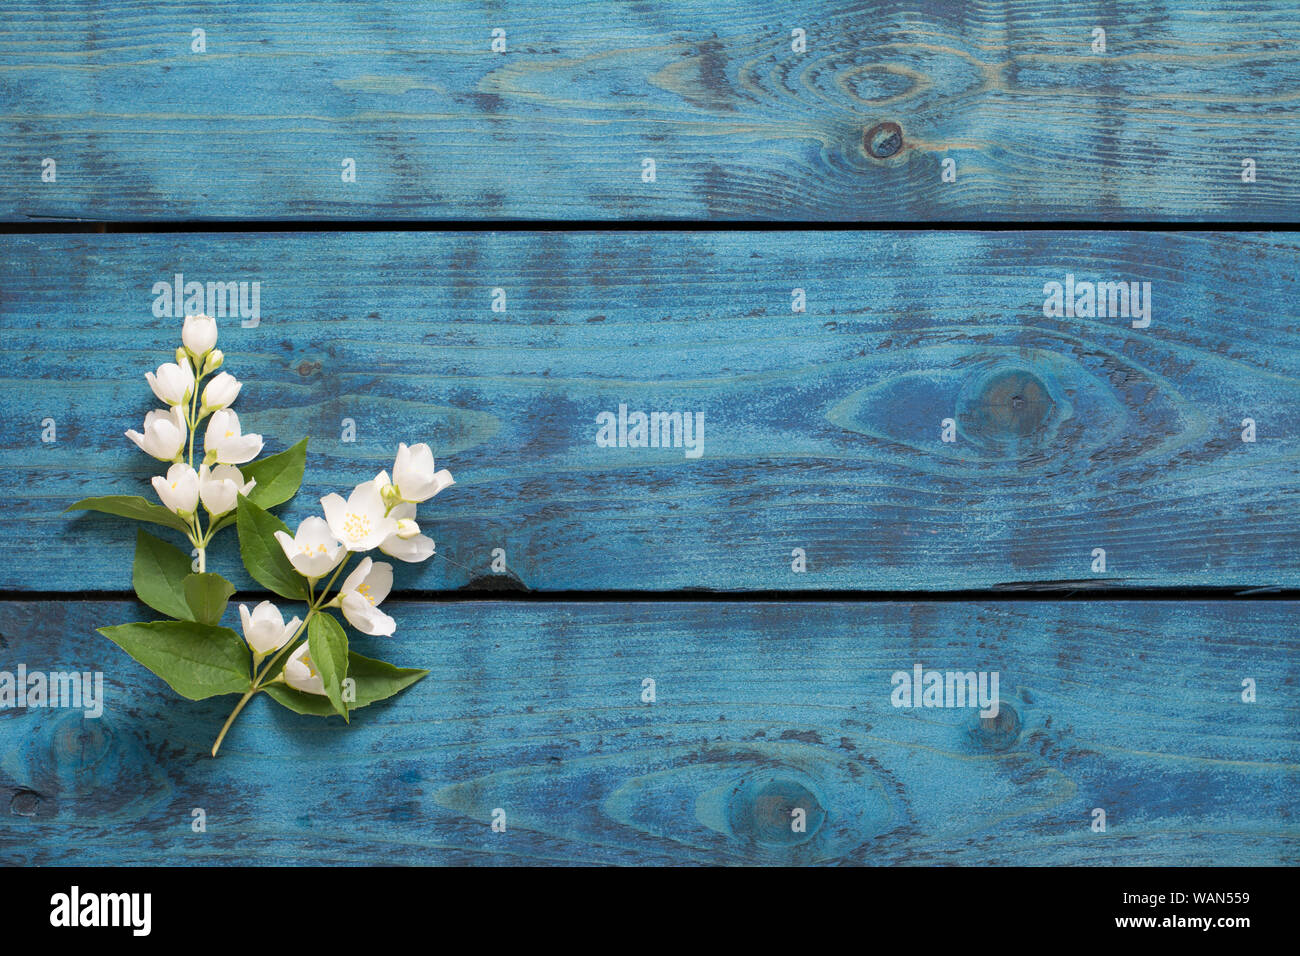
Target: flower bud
<point>199,333</point>
<point>388,494</point>
<point>215,358</point>
<point>221,391</point>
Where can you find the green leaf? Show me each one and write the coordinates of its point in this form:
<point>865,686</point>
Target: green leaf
<point>262,554</point>
<point>327,643</point>
<point>278,476</point>
<point>131,506</point>
<point>207,596</point>
<point>372,680</point>
<point>159,574</point>
<point>196,660</point>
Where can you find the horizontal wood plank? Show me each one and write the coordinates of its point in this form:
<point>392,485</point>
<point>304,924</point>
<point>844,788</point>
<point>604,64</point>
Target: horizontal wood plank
<point>536,709</point>
<point>739,124</point>
<point>823,429</point>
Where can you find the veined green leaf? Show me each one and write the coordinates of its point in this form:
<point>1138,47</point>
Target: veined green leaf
<point>327,643</point>
<point>196,660</point>
<point>278,476</point>
<point>262,554</point>
<point>207,596</point>
<point>131,506</point>
<point>159,574</point>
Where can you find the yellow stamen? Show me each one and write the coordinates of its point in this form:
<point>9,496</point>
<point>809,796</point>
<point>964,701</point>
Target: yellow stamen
<point>356,525</point>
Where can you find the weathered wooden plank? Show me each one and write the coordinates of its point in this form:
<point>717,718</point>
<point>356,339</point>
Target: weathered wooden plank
<point>822,429</point>
<point>739,124</point>
<point>1134,708</point>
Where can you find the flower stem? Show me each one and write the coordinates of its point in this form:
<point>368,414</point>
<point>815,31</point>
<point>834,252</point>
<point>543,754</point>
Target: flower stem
<point>199,540</point>
<point>231,719</point>
<point>193,418</point>
<point>320,598</point>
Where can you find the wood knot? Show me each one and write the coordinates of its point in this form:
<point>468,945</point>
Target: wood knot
<point>25,803</point>
<point>1008,405</point>
<point>79,745</point>
<point>998,732</point>
<point>306,368</point>
<point>775,811</point>
<point>883,140</point>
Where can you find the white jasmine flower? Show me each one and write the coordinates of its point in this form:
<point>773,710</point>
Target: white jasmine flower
<point>314,551</point>
<point>199,333</point>
<point>221,487</point>
<point>223,442</point>
<point>164,434</point>
<point>414,476</point>
<point>301,674</point>
<point>179,491</point>
<point>215,358</point>
<point>406,543</point>
<point>221,392</point>
<point>264,628</point>
<point>360,595</point>
<point>173,383</point>
<point>360,522</point>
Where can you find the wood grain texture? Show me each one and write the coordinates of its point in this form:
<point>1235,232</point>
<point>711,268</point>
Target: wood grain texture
<point>822,429</point>
<point>739,125</point>
<point>1134,708</point>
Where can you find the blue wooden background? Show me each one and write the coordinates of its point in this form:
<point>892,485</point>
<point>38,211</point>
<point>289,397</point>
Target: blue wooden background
<point>740,126</point>
<point>822,429</point>
<point>535,709</point>
<point>822,426</point>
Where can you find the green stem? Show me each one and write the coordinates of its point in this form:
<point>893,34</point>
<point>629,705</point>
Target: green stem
<point>197,538</point>
<point>258,684</point>
<point>320,599</point>
<point>193,417</point>
<point>231,719</point>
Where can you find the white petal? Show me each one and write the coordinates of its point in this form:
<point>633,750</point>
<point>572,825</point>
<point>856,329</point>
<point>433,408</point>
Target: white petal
<point>410,550</point>
<point>299,673</point>
<point>357,577</point>
<point>366,618</point>
<point>336,512</point>
<point>239,451</point>
<point>287,544</point>
<point>379,581</point>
